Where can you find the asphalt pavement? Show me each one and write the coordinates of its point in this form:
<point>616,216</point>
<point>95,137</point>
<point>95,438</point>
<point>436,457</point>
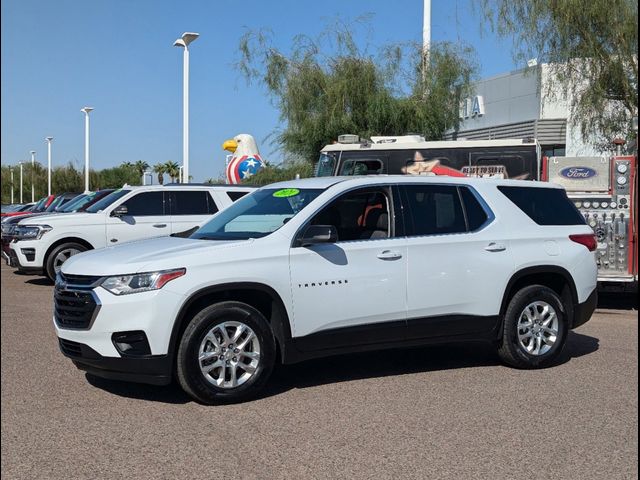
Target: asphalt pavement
<point>436,412</point>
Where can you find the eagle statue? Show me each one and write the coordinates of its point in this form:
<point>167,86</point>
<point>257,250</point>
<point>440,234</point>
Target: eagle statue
<point>245,160</point>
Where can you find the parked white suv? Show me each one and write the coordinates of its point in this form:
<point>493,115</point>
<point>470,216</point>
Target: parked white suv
<point>330,265</point>
<point>42,244</point>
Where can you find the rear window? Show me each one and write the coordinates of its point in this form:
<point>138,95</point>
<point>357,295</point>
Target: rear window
<point>545,206</point>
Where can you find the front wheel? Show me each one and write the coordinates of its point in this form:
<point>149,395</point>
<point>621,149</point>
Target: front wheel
<point>535,328</point>
<point>226,353</point>
<point>59,255</point>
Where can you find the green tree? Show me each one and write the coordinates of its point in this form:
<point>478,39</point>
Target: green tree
<point>328,86</point>
<point>280,173</point>
<point>592,49</point>
<point>160,169</point>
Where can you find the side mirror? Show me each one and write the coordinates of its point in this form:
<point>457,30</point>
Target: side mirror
<point>315,234</point>
<point>119,211</point>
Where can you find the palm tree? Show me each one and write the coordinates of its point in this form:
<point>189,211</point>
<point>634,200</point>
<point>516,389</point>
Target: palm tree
<point>172,169</point>
<point>160,169</point>
<point>141,166</point>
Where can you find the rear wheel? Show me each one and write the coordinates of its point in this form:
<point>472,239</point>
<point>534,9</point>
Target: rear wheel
<point>59,255</point>
<point>535,328</point>
<point>226,354</point>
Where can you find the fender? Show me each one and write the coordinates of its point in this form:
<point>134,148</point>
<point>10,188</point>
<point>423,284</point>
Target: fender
<point>540,270</point>
<point>279,317</point>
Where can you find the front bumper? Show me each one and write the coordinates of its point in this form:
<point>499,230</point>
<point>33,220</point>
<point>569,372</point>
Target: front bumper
<point>16,257</point>
<point>582,312</point>
<point>94,349</point>
<point>153,369</point>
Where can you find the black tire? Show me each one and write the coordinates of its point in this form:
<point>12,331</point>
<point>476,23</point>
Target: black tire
<point>189,374</point>
<point>49,268</point>
<point>510,350</point>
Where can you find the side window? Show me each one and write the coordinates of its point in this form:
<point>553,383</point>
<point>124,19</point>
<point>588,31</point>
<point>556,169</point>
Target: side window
<point>362,166</point>
<point>236,195</point>
<point>476,215</point>
<point>358,215</point>
<point>190,203</point>
<point>145,204</point>
<point>433,210</point>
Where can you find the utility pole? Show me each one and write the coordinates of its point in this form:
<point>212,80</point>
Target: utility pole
<point>33,171</point>
<point>48,139</point>
<point>426,38</point>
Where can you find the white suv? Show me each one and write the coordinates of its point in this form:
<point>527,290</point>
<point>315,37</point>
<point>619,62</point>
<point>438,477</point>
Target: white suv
<point>322,266</point>
<point>42,244</point>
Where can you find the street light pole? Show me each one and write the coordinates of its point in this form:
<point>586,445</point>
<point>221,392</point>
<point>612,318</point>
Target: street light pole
<point>184,42</point>
<point>86,111</point>
<point>21,201</point>
<point>33,169</point>
<point>426,38</point>
<point>48,139</point>
<point>11,171</point>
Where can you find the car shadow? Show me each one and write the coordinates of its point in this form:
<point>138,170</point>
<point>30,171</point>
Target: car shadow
<point>618,301</point>
<point>41,282</point>
<point>357,366</point>
<point>171,393</point>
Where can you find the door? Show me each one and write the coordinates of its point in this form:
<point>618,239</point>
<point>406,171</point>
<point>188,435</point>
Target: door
<point>457,260</point>
<point>352,291</point>
<point>190,208</point>
<point>145,218</point>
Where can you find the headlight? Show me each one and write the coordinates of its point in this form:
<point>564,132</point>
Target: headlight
<point>31,232</point>
<point>140,282</point>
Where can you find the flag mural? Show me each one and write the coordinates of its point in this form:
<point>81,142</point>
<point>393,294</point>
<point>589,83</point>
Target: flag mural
<point>246,160</point>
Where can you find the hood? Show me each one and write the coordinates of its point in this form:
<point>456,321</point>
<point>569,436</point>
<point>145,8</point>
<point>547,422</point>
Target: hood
<point>65,219</point>
<point>16,219</point>
<point>145,256</point>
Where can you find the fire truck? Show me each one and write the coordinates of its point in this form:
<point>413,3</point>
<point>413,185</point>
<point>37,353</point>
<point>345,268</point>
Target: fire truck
<point>412,155</point>
<point>605,190</point>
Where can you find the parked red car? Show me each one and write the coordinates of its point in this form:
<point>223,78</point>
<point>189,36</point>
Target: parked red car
<point>41,206</point>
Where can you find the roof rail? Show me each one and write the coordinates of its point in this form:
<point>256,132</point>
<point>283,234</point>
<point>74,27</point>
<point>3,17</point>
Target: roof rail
<point>207,185</point>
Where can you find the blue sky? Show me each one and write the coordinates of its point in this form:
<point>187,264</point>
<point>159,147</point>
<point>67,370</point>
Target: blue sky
<point>117,56</point>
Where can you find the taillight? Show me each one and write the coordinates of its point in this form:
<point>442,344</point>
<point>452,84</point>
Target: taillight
<point>586,239</point>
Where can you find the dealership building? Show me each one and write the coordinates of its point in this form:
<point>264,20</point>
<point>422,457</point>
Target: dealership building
<point>514,105</point>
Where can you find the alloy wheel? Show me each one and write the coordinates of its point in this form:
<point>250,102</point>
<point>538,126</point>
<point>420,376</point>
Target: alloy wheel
<point>229,354</point>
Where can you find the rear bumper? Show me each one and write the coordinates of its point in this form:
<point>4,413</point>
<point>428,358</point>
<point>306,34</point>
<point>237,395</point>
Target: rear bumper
<point>582,312</point>
<point>152,369</point>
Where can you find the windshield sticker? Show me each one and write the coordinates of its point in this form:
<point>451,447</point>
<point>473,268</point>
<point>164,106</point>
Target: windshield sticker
<point>286,193</point>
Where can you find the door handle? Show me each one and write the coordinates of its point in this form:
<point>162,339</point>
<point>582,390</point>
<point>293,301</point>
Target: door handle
<point>495,247</point>
<point>389,255</point>
<point>159,225</point>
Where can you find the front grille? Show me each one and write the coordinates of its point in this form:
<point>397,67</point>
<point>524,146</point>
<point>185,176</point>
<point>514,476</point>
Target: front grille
<point>79,280</point>
<point>68,347</point>
<point>74,308</point>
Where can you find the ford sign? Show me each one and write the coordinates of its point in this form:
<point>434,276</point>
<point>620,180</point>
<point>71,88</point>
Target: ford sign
<point>578,173</point>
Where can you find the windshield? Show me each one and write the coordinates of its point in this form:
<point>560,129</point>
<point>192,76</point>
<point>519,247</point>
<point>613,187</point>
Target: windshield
<point>40,205</point>
<point>258,214</point>
<point>326,165</point>
<point>106,201</point>
<point>59,201</point>
<point>75,203</point>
